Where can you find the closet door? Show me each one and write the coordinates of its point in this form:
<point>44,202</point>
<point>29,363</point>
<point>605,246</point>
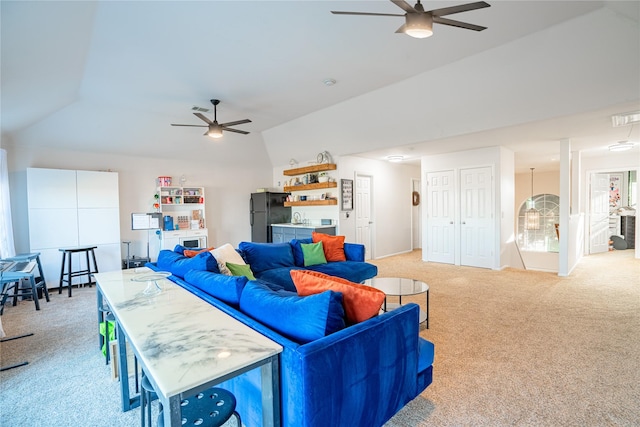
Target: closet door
<point>440,205</point>
<point>476,217</point>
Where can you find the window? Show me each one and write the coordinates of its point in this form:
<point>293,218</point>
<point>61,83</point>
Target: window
<point>546,238</point>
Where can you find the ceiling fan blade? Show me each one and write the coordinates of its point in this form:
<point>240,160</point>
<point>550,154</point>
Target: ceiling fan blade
<point>235,130</point>
<point>458,24</point>
<point>404,6</point>
<point>457,9</point>
<point>402,28</point>
<point>237,122</point>
<point>365,13</point>
<point>203,118</point>
<point>195,126</point>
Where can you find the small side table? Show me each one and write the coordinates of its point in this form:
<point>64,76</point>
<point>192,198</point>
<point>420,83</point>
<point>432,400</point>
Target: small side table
<point>397,286</point>
<point>68,276</point>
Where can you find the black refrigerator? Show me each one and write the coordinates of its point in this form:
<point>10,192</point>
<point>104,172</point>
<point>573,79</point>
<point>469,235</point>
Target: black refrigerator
<point>266,209</point>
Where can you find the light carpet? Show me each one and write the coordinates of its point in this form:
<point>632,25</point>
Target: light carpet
<point>513,348</point>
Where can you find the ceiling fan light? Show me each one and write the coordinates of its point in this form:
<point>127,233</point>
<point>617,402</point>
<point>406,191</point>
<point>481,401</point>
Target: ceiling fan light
<point>395,159</point>
<point>215,131</point>
<point>419,25</point>
<point>621,146</point>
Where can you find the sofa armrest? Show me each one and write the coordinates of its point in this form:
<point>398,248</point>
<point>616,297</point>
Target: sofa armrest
<point>354,252</point>
<point>367,372</point>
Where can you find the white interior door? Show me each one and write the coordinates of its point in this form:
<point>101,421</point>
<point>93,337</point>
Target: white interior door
<point>362,206</point>
<point>476,217</point>
<point>440,205</point>
<point>599,213</point>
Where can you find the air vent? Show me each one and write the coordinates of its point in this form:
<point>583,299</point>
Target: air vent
<point>200,109</point>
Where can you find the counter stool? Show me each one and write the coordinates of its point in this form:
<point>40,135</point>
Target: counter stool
<point>68,276</point>
<point>39,279</point>
<point>211,408</point>
<point>147,395</point>
<point>11,281</point>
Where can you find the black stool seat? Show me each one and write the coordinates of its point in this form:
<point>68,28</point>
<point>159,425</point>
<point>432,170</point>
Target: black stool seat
<point>211,408</point>
<point>68,275</point>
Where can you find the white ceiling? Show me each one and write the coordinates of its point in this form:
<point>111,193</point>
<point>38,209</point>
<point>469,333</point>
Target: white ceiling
<point>112,77</point>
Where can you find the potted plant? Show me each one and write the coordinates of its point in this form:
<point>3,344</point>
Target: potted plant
<point>323,177</point>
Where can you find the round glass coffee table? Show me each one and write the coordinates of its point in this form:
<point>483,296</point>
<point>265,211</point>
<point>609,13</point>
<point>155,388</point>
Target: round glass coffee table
<point>400,287</point>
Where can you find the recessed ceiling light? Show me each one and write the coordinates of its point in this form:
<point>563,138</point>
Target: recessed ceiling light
<point>329,82</point>
<point>395,159</point>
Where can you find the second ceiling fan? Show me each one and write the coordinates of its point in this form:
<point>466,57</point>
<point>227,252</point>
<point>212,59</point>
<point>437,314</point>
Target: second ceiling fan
<point>419,23</point>
<point>215,128</point>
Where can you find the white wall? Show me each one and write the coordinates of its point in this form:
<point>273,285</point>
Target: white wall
<point>392,202</point>
<point>227,188</point>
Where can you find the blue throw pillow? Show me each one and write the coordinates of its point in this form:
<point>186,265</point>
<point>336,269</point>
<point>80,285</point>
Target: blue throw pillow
<point>179,265</point>
<point>302,319</point>
<point>225,288</point>
<point>266,256</point>
<point>296,247</point>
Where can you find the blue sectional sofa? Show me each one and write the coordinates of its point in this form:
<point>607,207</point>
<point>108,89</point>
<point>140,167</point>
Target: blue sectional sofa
<point>331,373</point>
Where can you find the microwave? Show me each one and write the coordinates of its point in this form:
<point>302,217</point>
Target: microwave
<point>194,241</point>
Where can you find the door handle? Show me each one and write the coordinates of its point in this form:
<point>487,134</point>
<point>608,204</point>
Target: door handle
<point>370,222</point>
<point>463,222</point>
<point>451,222</point>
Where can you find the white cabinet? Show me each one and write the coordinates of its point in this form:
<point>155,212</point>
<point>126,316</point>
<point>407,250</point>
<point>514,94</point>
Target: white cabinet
<point>70,208</point>
<point>185,208</point>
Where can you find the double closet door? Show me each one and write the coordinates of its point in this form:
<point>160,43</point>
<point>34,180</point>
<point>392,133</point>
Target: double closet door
<point>460,217</point>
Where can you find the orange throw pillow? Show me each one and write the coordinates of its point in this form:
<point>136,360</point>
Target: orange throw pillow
<point>333,246</point>
<point>191,253</point>
<point>361,302</point>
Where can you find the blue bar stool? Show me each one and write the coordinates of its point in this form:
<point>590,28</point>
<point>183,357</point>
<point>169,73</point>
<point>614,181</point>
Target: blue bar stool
<point>147,395</point>
<point>11,281</point>
<point>39,279</point>
<point>68,275</point>
<point>211,408</point>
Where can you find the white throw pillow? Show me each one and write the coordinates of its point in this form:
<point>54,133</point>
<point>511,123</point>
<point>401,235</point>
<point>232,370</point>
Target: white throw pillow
<point>224,254</point>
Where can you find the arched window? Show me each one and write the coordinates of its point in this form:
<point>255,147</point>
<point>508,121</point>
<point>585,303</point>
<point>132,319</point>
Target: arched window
<point>545,239</point>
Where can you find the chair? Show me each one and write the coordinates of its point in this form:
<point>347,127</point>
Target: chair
<point>11,281</point>
<point>147,395</point>
<point>68,275</point>
<point>211,408</point>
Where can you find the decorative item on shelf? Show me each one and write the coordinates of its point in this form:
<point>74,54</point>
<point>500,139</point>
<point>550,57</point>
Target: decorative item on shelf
<point>416,198</point>
<point>164,181</point>
<point>324,157</point>
<point>323,177</point>
<point>156,204</point>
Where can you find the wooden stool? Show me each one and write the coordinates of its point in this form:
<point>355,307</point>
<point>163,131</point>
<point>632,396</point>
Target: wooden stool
<point>70,274</point>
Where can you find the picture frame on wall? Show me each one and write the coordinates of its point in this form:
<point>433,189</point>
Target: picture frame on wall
<point>346,190</point>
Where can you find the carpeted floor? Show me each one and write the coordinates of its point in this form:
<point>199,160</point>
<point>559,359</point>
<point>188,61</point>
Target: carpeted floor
<point>513,348</point>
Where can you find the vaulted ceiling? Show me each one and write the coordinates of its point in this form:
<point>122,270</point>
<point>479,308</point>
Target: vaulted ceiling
<point>112,76</point>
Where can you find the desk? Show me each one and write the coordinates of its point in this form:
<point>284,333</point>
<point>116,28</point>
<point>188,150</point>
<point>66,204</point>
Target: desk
<point>184,344</point>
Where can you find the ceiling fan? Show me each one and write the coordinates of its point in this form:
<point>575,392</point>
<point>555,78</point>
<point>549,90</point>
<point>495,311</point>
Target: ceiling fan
<point>215,128</point>
<point>419,23</point>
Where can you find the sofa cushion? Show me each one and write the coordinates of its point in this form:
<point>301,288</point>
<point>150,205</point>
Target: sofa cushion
<point>313,254</point>
<point>352,271</point>
<point>190,253</point>
<point>296,248</point>
<point>224,254</point>
<point>241,270</point>
<point>361,302</point>
<point>333,246</point>
<point>225,288</point>
<point>279,276</point>
<point>267,256</point>
<point>302,319</point>
<point>179,265</point>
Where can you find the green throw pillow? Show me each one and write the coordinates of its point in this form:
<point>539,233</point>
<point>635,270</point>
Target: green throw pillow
<point>313,254</point>
<point>241,270</point>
